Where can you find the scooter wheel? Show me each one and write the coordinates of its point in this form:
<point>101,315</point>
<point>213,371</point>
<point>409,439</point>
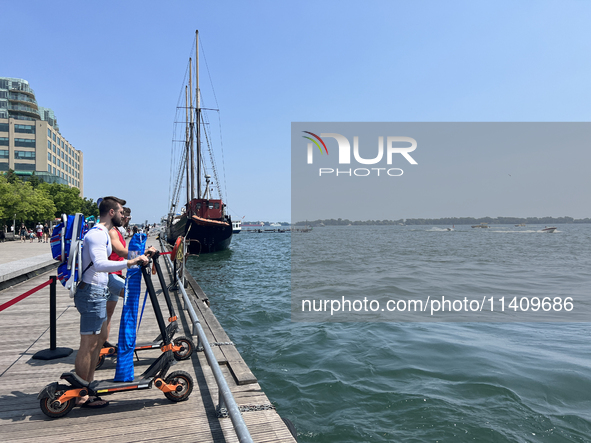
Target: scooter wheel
<point>100,362</point>
<point>187,347</point>
<point>49,407</point>
<point>185,382</point>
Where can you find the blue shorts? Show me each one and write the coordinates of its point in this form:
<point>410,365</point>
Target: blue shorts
<point>115,285</point>
<point>91,302</point>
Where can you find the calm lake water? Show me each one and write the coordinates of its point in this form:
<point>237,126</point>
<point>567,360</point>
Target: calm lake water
<point>412,382</point>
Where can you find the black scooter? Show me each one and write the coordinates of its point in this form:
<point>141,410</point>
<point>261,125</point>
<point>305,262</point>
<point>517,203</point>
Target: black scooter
<point>182,346</point>
<point>57,399</point>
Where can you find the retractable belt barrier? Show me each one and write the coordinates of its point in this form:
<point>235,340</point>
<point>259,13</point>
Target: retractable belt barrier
<point>53,351</point>
<point>15,300</point>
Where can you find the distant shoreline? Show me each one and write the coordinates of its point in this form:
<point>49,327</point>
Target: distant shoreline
<point>448,221</point>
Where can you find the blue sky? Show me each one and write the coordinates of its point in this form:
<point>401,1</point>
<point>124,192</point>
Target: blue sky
<point>113,71</point>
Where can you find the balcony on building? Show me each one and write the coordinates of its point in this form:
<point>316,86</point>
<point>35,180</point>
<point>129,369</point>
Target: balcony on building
<point>22,99</point>
<point>22,88</point>
<point>17,110</point>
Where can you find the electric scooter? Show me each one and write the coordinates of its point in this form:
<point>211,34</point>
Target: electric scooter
<point>57,399</point>
<point>182,346</point>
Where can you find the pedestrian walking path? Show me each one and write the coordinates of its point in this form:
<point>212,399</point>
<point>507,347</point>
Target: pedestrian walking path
<point>18,259</point>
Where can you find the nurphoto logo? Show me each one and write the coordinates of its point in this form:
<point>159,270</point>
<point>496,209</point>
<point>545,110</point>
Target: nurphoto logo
<point>344,148</point>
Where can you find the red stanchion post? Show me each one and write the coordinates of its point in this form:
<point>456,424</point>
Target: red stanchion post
<point>53,352</point>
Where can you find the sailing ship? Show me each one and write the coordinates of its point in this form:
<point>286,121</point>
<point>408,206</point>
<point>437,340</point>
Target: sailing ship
<point>202,220</point>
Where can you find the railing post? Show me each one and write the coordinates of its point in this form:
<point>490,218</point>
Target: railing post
<point>53,352</point>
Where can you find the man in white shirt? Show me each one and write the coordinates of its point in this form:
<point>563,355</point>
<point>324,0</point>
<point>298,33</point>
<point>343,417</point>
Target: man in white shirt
<point>92,293</point>
<point>39,229</point>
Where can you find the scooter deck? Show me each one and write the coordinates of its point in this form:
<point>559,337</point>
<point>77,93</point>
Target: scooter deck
<point>110,386</point>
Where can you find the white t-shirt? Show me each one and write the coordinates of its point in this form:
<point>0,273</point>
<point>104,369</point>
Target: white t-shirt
<point>97,249</point>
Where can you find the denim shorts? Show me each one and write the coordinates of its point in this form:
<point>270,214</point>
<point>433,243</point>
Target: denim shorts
<point>115,285</point>
<point>91,302</point>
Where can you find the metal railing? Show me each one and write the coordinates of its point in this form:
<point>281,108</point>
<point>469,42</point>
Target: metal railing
<point>225,394</point>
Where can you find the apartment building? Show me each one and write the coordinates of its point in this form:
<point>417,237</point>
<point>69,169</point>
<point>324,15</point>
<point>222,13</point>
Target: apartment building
<point>30,139</point>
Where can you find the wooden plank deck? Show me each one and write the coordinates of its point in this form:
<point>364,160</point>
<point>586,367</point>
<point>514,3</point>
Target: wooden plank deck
<point>144,415</point>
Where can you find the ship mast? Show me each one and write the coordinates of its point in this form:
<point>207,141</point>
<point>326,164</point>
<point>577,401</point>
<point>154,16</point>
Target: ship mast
<point>191,131</point>
<point>197,116</point>
<point>187,144</point>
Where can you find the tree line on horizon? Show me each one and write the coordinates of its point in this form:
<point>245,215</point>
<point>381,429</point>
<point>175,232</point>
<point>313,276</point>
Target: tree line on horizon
<point>34,201</point>
<point>448,221</point>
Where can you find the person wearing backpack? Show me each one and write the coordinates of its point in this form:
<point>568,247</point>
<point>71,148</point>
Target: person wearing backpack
<point>92,292</point>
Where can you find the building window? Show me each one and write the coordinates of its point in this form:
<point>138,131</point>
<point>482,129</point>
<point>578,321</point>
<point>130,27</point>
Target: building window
<point>24,166</point>
<point>24,155</point>
<point>3,127</point>
<point>53,158</point>
<point>53,136</point>
<point>48,157</point>
<point>3,141</point>
<point>53,147</point>
<point>3,166</point>
<point>53,167</point>
<point>25,129</point>
<point>3,153</point>
<point>24,142</point>
<point>49,168</point>
<point>49,132</point>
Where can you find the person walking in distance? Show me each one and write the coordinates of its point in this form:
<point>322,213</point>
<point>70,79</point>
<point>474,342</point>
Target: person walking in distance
<point>24,233</point>
<point>46,233</point>
<point>91,296</point>
<point>39,229</point>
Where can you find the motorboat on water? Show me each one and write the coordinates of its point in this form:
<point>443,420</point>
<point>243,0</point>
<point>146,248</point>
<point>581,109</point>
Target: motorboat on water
<point>549,230</point>
<point>481,225</point>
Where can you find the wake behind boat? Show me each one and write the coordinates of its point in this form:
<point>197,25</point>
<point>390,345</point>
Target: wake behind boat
<point>203,220</point>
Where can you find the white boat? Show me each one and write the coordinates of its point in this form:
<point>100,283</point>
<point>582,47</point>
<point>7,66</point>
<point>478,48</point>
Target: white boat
<point>236,226</point>
<point>549,230</point>
<point>481,225</point>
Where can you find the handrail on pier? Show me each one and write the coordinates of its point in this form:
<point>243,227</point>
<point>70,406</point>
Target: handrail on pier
<point>226,398</point>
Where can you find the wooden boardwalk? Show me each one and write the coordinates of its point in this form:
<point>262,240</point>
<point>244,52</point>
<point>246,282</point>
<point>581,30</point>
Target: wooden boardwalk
<point>137,416</point>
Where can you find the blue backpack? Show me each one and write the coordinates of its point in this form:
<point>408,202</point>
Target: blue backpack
<point>66,247</point>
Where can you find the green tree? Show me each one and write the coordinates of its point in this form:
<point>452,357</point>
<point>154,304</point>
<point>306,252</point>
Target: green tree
<point>34,180</point>
<point>29,204</point>
<point>12,177</point>
<point>89,207</point>
<point>66,200</point>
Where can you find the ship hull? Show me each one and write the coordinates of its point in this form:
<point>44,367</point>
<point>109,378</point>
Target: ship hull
<point>201,238</point>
